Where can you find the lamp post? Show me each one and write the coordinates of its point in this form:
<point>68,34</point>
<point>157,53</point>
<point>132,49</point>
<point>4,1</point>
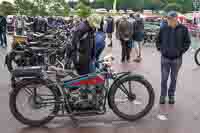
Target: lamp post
<point>115,5</point>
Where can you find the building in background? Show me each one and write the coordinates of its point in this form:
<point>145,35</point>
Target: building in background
<point>196,5</point>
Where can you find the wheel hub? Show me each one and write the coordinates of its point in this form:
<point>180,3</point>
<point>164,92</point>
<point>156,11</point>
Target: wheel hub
<point>132,97</point>
<point>35,103</point>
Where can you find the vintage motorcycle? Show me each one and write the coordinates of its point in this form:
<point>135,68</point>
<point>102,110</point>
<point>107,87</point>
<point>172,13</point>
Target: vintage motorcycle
<point>71,95</point>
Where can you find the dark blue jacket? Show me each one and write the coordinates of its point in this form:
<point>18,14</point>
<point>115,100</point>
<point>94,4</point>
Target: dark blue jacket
<point>181,43</point>
<point>100,40</point>
<point>163,23</point>
<point>110,25</point>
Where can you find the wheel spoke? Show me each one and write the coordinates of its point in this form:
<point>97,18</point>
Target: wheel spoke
<point>123,89</point>
<point>28,91</point>
<point>130,88</point>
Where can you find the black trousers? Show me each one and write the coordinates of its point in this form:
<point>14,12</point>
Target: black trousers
<point>126,51</point>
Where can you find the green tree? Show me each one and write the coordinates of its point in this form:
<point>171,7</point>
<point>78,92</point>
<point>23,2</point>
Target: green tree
<point>59,8</point>
<point>178,5</point>
<point>83,10</point>
<point>130,4</point>
<point>106,3</point>
<point>123,4</point>
<point>26,7</point>
<point>7,8</point>
<point>173,6</point>
<point>42,7</point>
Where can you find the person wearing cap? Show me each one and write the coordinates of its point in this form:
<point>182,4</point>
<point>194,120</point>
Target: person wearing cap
<point>172,41</point>
<point>83,44</point>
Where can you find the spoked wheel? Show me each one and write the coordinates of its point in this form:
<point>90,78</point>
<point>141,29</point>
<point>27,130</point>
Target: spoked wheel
<point>197,57</point>
<point>34,104</point>
<point>131,98</point>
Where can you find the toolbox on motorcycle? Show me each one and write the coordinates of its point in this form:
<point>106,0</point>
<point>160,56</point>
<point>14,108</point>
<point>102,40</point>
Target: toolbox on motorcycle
<point>28,72</point>
<point>18,39</point>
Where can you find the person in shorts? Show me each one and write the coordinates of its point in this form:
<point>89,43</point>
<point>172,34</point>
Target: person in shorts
<point>110,29</point>
<point>139,36</point>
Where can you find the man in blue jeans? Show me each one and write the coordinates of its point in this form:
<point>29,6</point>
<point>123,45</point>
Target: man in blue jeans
<point>173,41</point>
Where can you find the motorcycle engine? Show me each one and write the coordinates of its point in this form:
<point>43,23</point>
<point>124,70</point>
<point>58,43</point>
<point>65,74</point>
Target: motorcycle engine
<point>87,98</point>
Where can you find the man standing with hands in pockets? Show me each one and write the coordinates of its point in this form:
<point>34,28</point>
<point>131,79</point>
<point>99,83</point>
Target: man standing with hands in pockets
<point>173,41</point>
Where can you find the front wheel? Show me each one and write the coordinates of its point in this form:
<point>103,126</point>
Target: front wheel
<point>34,103</point>
<point>131,98</point>
<point>197,57</point>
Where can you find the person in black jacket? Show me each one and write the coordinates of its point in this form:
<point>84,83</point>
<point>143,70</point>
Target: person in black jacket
<point>83,45</point>
<point>172,41</point>
<point>3,38</point>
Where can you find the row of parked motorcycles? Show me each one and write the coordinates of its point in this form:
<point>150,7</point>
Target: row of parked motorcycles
<point>45,84</point>
<point>39,49</point>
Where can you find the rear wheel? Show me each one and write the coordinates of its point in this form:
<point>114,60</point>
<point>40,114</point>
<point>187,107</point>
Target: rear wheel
<point>197,57</point>
<point>34,103</point>
<point>134,91</point>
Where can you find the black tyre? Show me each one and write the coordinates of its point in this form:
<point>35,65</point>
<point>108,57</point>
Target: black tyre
<point>35,108</point>
<point>132,99</point>
<point>197,57</point>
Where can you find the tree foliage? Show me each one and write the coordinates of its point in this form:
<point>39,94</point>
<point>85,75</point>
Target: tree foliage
<point>178,5</point>
<point>42,7</point>
<point>122,4</point>
<point>59,8</point>
<point>83,10</point>
<point>7,8</point>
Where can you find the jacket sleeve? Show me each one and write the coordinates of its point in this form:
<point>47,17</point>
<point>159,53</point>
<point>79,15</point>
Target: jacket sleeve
<point>187,41</point>
<point>158,40</point>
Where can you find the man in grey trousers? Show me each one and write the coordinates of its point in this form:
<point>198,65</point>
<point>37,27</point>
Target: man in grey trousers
<point>172,41</point>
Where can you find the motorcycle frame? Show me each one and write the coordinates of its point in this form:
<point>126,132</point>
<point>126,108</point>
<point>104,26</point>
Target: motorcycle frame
<point>65,93</point>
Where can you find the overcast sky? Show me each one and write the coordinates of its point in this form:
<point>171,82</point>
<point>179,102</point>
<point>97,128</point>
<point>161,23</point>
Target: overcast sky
<point>13,0</point>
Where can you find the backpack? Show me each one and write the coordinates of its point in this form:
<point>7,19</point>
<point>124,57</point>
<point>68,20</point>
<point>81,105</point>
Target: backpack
<point>125,29</point>
<point>139,25</point>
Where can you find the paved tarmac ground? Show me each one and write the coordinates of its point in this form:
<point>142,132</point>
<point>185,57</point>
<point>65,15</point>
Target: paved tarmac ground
<point>183,117</point>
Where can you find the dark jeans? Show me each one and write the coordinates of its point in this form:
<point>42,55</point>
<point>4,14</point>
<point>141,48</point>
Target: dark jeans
<point>171,67</point>
<point>126,50</point>
<point>1,38</point>
<point>5,39</point>
<point>98,54</point>
<point>86,68</point>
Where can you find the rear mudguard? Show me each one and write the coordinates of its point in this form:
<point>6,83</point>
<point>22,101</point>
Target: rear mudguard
<point>14,83</point>
<point>9,56</point>
<point>119,79</point>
